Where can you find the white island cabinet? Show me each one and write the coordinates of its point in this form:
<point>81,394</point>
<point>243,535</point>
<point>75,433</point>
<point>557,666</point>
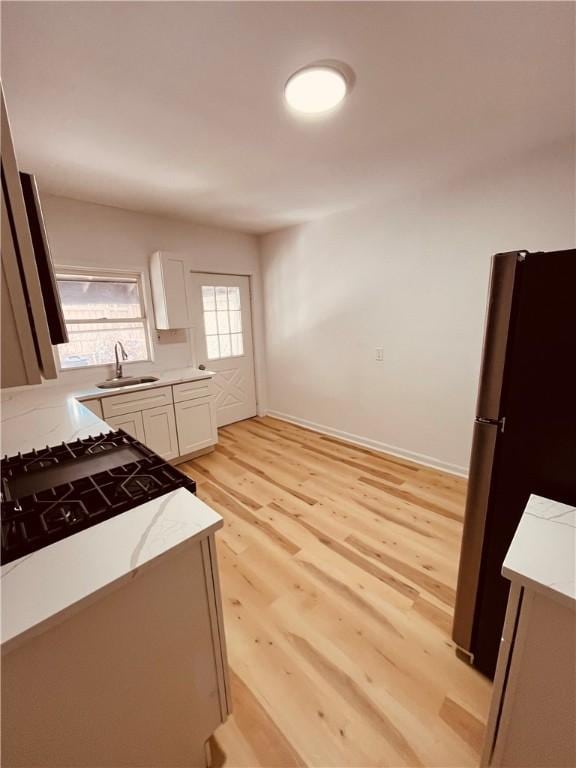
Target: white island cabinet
<point>532,721</point>
<point>113,644</point>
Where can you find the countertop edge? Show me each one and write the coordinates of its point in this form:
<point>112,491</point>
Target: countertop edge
<point>93,394</point>
<point>15,641</point>
<point>537,586</point>
<point>35,417</point>
<point>542,555</point>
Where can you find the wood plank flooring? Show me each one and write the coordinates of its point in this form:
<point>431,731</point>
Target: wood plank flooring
<point>338,569</point>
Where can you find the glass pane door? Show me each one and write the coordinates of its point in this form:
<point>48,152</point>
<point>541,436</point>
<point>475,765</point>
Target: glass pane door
<point>222,312</point>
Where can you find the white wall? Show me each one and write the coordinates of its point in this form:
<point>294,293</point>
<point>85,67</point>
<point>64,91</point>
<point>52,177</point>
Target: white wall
<point>85,234</point>
<point>412,277</point>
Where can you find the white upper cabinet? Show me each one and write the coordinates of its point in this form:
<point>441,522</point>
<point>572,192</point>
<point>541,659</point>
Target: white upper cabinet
<point>168,280</point>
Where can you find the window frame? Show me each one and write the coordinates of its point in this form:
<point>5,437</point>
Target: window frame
<point>112,275</point>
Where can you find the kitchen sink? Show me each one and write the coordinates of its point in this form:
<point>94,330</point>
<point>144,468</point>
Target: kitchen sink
<point>126,381</point>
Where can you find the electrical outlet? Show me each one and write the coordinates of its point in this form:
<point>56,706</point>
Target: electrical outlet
<point>380,354</point>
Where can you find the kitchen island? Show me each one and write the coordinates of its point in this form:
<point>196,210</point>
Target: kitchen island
<point>113,648</point>
<point>533,712</point>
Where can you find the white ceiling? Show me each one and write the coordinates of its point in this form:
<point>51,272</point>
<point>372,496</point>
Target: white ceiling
<point>177,108</point>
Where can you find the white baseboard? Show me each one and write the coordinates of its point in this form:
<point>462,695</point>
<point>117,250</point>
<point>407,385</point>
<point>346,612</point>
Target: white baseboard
<point>366,442</point>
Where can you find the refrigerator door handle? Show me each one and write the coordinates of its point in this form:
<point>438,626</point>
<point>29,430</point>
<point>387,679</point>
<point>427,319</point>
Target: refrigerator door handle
<point>503,279</point>
<point>494,422</point>
<point>477,502</point>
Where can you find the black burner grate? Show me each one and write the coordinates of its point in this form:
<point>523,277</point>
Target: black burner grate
<point>93,483</point>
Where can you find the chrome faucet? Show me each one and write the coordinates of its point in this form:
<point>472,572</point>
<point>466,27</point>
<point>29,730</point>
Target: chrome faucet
<point>118,363</point>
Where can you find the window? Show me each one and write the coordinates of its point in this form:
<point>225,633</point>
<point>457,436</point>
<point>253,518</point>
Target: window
<point>101,309</point>
<point>222,321</point>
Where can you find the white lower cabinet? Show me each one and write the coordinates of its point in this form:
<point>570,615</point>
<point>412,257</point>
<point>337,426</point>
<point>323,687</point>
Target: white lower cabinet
<point>131,423</point>
<point>196,425</point>
<point>172,421</point>
<point>160,431</point>
<point>154,427</point>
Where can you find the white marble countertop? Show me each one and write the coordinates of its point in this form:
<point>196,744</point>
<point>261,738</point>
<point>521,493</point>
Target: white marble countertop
<point>45,586</point>
<point>165,378</point>
<point>49,414</point>
<point>542,555</point>
<point>38,588</point>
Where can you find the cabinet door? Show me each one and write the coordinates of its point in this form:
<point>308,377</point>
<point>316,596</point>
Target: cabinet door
<point>19,361</point>
<point>129,422</point>
<point>22,238</point>
<point>168,281</point>
<point>160,431</point>
<point>196,425</point>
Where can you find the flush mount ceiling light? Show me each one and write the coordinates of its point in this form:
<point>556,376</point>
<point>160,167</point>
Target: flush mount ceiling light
<point>316,89</point>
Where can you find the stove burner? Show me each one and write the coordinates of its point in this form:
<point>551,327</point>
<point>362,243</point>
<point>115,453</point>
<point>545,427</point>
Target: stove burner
<point>140,484</point>
<point>68,500</point>
<point>100,448</point>
<point>69,513</point>
<point>41,463</point>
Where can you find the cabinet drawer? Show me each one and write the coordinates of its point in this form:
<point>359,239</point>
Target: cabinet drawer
<point>190,390</point>
<point>136,401</point>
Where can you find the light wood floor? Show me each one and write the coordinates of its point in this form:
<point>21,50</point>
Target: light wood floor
<point>338,569</point>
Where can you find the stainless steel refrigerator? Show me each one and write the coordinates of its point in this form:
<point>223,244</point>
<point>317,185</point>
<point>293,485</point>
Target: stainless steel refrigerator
<point>524,433</point>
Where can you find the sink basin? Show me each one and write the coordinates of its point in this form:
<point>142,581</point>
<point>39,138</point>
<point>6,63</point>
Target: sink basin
<point>126,381</point>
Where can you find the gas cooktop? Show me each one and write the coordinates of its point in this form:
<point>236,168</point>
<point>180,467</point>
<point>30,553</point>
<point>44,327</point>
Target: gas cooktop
<point>53,493</point>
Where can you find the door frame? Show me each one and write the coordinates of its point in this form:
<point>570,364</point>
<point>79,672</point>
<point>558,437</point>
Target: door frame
<point>257,338</point>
